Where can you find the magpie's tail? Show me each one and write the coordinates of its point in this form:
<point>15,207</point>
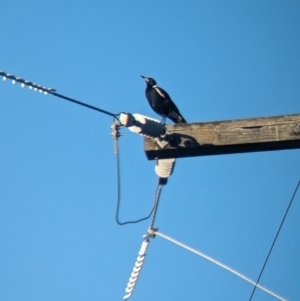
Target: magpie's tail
<point>180,119</point>
<point>176,118</point>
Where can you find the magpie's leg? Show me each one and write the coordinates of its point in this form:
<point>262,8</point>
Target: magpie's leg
<point>163,119</point>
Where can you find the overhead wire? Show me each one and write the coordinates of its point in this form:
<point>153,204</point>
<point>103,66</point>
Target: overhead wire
<point>84,104</point>
<point>52,91</point>
<point>142,253</point>
<point>157,197</point>
<point>157,193</point>
<point>158,189</point>
<point>255,284</point>
<point>219,264</point>
<point>275,238</point>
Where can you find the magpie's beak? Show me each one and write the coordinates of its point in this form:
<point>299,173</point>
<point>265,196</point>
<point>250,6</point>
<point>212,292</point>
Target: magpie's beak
<point>145,78</point>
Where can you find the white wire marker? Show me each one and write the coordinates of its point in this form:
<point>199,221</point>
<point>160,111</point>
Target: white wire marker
<point>219,264</point>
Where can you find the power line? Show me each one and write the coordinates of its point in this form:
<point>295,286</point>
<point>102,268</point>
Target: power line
<point>274,241</point>
<point>157,197</point>
<point>45,90</point>
<point>116,135</point>
<point>220,264</point>
<point>84,104</point>
<point>52,91</point>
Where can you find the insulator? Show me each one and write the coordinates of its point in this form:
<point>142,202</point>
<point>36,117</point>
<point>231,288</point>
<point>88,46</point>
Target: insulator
<point>127,119</point>
<point>131,284</point>
<point>164,167</point>
<point>134,274</point>
<point>139,263</point>
<point>142,252</point>
<point>127,296</point>
<point>132,279</point>
<point>136,270</point>
<point>23,85</point>
<point>142,125</point>
<point>129,289</point>
<point>13,81</point>
<point>4,78</point>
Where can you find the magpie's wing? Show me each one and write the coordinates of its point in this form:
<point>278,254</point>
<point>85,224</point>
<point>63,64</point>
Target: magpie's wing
<point>167,99</point>
<point>174,113</point>
<point>162,93</point>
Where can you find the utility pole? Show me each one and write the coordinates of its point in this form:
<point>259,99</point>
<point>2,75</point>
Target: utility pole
<point>227,137</point>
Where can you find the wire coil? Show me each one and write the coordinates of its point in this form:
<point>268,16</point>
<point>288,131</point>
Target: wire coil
<point>137,268</point>
<point>25,83</point>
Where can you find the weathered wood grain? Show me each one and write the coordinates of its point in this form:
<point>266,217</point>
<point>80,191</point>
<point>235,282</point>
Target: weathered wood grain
<point>228,137</point>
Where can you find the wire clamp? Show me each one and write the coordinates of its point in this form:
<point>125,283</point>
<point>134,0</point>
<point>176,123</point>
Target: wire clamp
<point>115,129</point>
<point>115,133</point>
<point>151,232</point>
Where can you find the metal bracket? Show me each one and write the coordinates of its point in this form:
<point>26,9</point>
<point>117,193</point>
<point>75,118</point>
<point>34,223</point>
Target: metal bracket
<point>115,133</point>
<point>115,129</point>
<point>151,232</point>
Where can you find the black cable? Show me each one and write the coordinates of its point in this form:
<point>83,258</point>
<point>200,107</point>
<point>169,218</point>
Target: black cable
<point>83,104</point>
<point>157,197</point>
<point>287,210</point>
<point>46,90</point>
<point>157,194</point>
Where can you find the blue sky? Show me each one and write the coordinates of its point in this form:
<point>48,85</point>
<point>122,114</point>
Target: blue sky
<point>218,60</point>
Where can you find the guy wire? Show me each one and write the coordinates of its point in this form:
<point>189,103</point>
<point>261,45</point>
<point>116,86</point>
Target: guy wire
<point>274,241</point>
<point>222,265</point>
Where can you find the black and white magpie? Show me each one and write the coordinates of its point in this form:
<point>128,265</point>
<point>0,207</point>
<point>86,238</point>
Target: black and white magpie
<point>161,102</point>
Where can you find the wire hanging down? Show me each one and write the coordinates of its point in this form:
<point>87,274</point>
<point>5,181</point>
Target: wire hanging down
<point>157,197</point>
<point>116,135</point>
<point>219,264</point>
<point>274,241</point>
<point>52,91</point>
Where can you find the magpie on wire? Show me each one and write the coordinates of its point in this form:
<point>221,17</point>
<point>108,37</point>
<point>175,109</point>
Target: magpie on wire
<point>161,102</point>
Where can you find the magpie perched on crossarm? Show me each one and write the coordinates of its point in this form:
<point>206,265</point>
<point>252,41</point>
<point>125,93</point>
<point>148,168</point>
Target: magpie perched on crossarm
<point>161,102</point>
